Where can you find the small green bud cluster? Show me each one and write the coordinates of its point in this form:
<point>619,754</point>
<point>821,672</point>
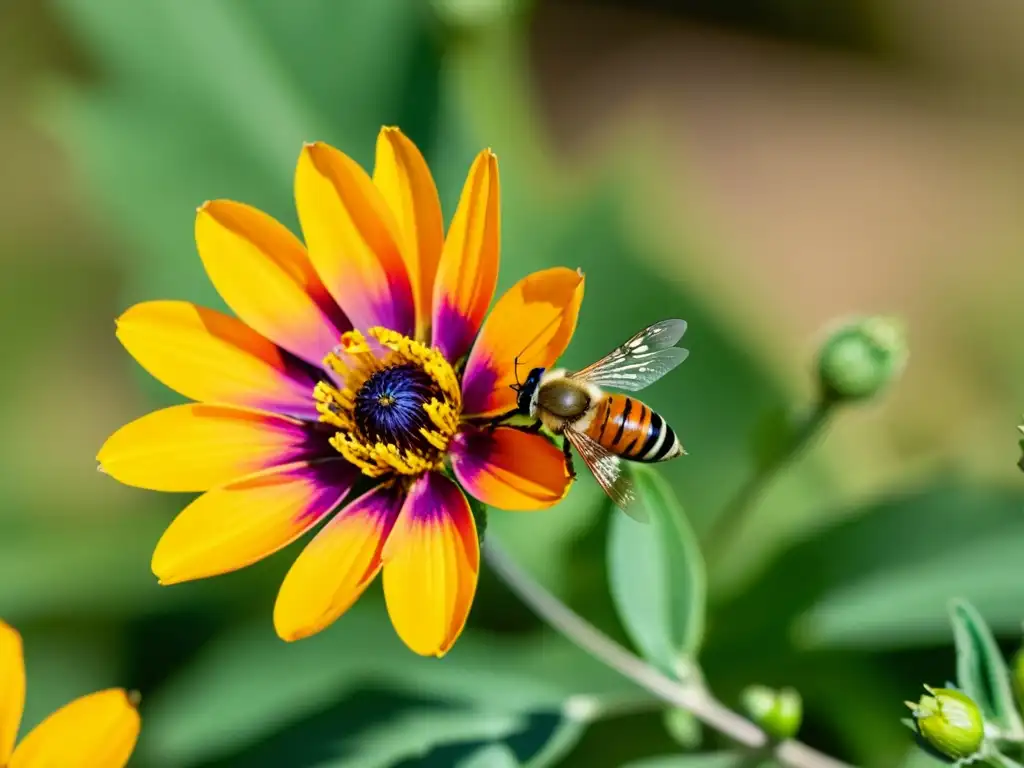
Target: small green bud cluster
<point>779,713</point>
<point>949,721</point>
<point>861,358</point>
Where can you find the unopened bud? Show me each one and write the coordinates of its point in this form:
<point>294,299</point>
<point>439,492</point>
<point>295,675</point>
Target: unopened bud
<point>861,358</point>
<point>778,712</point>
<point>949,721</point>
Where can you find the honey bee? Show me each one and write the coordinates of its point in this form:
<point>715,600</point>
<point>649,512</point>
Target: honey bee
<point>605,428</point>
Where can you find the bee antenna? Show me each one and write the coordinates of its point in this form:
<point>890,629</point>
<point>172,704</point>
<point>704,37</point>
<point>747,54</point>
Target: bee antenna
<point>547,327</point>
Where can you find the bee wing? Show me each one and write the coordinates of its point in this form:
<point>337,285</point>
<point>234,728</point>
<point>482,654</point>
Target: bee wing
<point>641,361</point>
<point>607,469</point>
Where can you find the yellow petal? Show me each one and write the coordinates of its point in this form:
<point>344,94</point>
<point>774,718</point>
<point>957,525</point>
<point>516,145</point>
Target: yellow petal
<point>263,273</point>
<point>238,524</point>
<point>208,356</point>
<point>403,178</point>
<point>95,731</point>
<point>337,565</point>
<point>12,689</point>
<point>468,271</point>
<point>431,564</point>
<point>353,240</point>
<point>194,447</point>
<point>534,321</point>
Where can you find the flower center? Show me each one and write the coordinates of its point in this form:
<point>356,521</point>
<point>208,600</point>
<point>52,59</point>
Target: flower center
<point>398,406</point>
<point>389,405</point>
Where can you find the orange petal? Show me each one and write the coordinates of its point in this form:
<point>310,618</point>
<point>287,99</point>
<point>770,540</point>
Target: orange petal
<point>208,356</point>
<point>337,565</point>
<point>12,689</point>
<point>238,524</point>
<point>509,469</point>
<point>194,447</point>
<point>263,273</point>
<point>353,240</point>
<point>468,271</point>
<point>95,731</point>
<point>431,564</point>
<point>403,178</point>
<point>534,320</point>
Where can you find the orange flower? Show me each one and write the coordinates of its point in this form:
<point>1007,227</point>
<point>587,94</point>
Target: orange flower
<point>364,352</point>
<point>95,731</point>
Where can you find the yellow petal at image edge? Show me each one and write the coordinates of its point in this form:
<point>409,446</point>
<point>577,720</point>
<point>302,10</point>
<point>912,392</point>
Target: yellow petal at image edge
<point>95,731</point>
<point>12,689</point>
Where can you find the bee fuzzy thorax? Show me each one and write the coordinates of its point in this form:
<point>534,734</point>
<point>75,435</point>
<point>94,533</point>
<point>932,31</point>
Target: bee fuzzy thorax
<point>562,400</point>
<point>593,391</point>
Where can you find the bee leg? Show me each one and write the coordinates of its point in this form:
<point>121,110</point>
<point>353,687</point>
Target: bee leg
<point>530,429</point>
<point>496,421</point>
<point>567,452</point>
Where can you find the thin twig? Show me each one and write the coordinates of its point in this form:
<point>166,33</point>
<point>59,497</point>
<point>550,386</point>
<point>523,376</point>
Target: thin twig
<point>694,698</point>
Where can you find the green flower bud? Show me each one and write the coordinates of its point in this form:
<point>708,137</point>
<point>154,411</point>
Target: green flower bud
<point>778,712</point>
<point>949,721</point>
<point>861,358</point>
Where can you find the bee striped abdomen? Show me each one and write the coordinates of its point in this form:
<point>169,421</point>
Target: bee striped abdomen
<point>628,428</point>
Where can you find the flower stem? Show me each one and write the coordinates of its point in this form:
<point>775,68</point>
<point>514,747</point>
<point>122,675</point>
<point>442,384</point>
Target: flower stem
<point>738,509</point>
<point>692,697</point>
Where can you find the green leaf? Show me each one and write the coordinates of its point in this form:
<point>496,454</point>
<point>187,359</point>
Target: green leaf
<point>415,733</point>
<point>705,760</point>
<point>656,575</point>
<point>490,756</point>
<point>563,739</point>
<point>249,683</point>
<point>921,758</point>
<point>981,671</point>
<point>999,760</point>
<point>883,576</point>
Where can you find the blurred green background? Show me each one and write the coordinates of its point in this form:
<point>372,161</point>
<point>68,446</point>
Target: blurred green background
<point>759,170</point>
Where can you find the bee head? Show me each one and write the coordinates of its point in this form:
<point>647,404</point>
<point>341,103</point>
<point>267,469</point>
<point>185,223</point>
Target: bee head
<point>527,391</point>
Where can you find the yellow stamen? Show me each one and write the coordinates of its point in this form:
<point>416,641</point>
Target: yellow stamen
<point>430,360</point>
<point>444,416</point>
<point>355,360</point>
